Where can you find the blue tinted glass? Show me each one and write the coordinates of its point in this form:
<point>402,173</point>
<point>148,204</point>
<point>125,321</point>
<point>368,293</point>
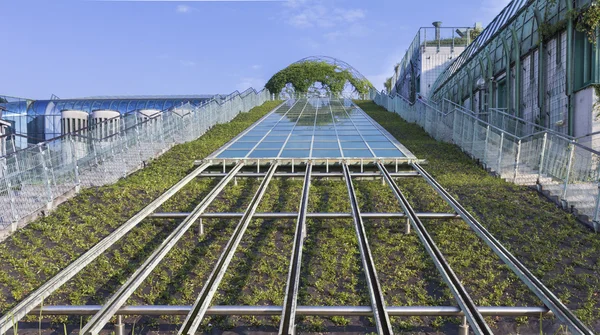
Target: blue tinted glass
<point>354,145</point>
<point>233,154</point>
<point>263,154</point>
<point>326,145</point>
<point>387,153</point>
<point>295,153</point>
<point>331,153</point>
<point>357,153</point>
<point>242,145</point>
<point>270,145</point>
<point>382,145</point>
<point>297,145</point>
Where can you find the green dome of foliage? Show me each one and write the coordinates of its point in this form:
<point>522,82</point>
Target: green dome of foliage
<point>303,75</point>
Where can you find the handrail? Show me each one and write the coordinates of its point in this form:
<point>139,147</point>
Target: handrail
<point>572,141</point>
<point>497,110</point>
<point>92,127</point>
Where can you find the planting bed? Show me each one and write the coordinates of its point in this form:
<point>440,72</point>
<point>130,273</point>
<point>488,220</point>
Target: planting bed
<point>557,249</point>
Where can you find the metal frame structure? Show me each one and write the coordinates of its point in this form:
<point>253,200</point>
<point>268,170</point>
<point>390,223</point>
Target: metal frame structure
<point>289,310</point>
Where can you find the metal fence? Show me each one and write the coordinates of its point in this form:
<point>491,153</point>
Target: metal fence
<point>557,163</point>
<point>33,178</point>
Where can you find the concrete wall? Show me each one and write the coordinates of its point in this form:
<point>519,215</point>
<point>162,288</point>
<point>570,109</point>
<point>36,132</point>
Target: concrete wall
<point>434,62</point>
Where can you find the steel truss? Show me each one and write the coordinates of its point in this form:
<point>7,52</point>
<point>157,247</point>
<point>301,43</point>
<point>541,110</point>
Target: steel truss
<point>289,309</point>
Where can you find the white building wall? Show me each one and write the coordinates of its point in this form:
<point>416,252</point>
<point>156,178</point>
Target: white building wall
<point>434,61</point>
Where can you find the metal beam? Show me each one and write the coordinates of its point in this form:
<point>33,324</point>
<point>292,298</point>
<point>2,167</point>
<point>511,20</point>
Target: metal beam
<point>460,294</point>
<point>159,310</point>
<point>291,215</point>
<point>95,325</point>
<point>382,319</point>
<point>36,298</point>
<point>194,318</point>
<point>315,174</point>
<point>288,315</point>
<point>537,287</point>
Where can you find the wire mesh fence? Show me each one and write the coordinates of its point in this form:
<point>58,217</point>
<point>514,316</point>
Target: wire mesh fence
<point>31,179</point>
<point>515,149</point>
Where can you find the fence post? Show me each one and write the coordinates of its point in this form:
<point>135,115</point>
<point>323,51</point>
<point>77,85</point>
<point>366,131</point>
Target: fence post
<point>595,222</point>
<point>563,197</point>
<point>46,177</point>
<point>517,161</point>
<point>542,157</point>
<point>75,165</point>
<point>11,195</point>
<point>485,148</point>
<point>500,153</point>
<point>139,143</point>
<point>475,127</point>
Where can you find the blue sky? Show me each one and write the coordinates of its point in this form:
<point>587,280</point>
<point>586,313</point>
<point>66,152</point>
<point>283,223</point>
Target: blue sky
<point>75,48</point>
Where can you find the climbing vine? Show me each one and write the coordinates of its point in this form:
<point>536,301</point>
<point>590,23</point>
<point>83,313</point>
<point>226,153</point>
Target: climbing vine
<point>587,20</point>
<point>302,76</point>
<point>388,84</point>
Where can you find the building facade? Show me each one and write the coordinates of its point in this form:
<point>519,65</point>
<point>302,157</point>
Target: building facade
<point>431,52</point>
<point>535,61</point>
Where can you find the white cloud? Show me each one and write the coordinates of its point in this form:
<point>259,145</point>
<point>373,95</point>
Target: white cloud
<point>183,9</point>
<point>314,14</point>
<point>256,67</point>
<point>187,63</point>
<point>247,82</point>
<point>352,31</point>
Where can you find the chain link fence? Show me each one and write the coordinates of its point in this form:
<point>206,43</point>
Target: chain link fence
<point>514,149</point>
<point>34,178</point>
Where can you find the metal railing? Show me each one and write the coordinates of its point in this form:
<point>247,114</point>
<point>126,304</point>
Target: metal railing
<point>559,164</point>
<point>32,178</point>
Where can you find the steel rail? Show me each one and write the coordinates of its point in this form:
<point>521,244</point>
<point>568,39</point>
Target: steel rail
<point>539,289</point>
<point>99,320</point>
<point>290,301</point>
<point>159,310</point>
<point>36,298</point>
<point>194,318</point>
<point>461,295</point>
<point>315,174</point>
<point>291,215</point>
<point>382,319</point>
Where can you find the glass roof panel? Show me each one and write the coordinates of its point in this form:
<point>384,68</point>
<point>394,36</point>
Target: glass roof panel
<point>314,128</point>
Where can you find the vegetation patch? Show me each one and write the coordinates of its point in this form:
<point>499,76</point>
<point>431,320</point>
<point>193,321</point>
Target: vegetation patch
<point>560,251</point>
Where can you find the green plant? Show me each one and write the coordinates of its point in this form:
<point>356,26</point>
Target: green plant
<point>587,20</point>
<point>547,30</point>
<point>303,75</point>
<point>388,84</point>
<point>474,33</point>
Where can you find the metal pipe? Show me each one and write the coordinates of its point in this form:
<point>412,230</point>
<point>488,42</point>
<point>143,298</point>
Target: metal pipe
<point>36,298</point>
<point>195,316</point>
<point>290,301</point>
<point>291,215</point>
<point>535,285</point>
<point>126,290</point>
<point>460,294</point>
<point>158,310</point>
<point>315,174</point>
<point>382,319</point>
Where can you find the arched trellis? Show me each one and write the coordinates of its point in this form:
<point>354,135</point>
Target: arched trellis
<point>338,71</point>
<point>334,61</point>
